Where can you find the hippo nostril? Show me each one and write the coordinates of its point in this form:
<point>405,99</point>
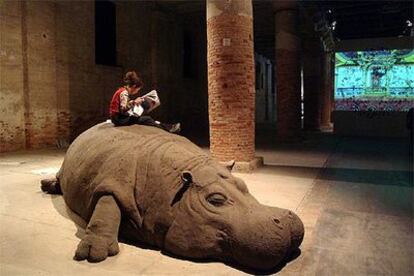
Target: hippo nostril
<point>278,223</point>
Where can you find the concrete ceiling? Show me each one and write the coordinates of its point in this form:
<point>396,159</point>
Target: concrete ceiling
<point>366,19</point>
<point>353,19</point>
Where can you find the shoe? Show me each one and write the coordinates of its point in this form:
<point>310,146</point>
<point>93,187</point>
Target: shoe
<point>175,128</point>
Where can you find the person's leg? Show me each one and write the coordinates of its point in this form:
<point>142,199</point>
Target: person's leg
<point>120,120</point>
<point>149,121</point>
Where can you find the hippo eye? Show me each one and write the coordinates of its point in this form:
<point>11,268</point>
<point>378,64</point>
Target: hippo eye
<point>216,199</point>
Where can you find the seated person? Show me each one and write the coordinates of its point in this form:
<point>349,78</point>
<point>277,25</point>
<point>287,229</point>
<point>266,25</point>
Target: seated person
<point>125,98</point>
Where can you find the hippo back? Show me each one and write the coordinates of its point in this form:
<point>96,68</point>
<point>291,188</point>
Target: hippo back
<point>118,161</point>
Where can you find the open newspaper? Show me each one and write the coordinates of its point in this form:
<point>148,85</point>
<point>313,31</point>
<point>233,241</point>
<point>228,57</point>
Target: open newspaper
<point>153,100</point>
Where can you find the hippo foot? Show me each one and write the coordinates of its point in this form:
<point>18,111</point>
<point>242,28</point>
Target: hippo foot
<point>96,248</point>
<point>50,186</point>
<point>100,240</point>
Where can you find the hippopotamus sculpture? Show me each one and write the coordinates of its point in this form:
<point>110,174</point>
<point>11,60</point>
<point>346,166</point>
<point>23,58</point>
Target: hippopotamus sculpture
<point>161,189</point>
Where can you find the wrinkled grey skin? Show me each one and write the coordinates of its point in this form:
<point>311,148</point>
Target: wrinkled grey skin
<point>163,190</point>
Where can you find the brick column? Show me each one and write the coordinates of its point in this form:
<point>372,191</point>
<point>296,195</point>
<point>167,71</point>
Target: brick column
<point>231,79</point>
<point>288,65</point>
<point>328,94</point>
<point>312,83</point>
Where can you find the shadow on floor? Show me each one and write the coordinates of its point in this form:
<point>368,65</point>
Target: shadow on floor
<point>63,210</point>
<point>61,207</point>
<point>294,255</point>
<point>376,177</point>
<point>291,257</point>
<point>368,176</point>
<point>288,170</point>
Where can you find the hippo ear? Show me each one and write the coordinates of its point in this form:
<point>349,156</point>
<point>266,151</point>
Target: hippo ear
<point>186,176</point>
<point>187,179</point>
<point>229,165</point>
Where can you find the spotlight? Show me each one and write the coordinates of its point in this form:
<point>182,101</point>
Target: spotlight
<point>408,30</point>
<point>333,25</point>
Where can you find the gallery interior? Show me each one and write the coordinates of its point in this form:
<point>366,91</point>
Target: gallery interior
<point>311,101</point>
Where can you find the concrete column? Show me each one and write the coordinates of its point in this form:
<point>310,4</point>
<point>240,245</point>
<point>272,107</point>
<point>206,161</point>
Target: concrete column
<point>312,83</point>
<point>328,93</point>
<point>231,91</point>
<point>288,65</point>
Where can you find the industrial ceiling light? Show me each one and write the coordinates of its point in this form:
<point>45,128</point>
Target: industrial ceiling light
<point>333,25</point>
<point>408,30</point>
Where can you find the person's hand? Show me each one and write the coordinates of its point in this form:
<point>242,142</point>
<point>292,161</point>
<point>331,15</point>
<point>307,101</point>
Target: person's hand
<point>139,101</point>
<point>131,103</point>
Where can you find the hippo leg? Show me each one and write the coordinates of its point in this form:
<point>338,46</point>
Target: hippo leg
<point>50,186</point>
<point>101,239</point>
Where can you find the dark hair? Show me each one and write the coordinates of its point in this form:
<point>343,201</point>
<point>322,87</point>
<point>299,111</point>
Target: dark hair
<point>132,79</point>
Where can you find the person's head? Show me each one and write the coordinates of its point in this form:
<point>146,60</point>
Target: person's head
<point>132,82</point>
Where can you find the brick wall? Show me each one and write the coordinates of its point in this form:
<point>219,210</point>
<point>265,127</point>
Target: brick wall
<point>150,40</point>
<point>51,89</point>
<point>231,87</point>
<point>12,135</point>
<point>84,89</point>
<point>134,37</point>
<point>39,77</point>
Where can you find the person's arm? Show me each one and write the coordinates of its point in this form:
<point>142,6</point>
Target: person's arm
<point>124,102</point>
<point>146,105</point>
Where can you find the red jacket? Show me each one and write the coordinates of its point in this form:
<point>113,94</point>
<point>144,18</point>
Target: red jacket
<point>114,107</point>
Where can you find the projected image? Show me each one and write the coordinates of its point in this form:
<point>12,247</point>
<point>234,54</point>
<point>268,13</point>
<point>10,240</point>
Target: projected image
<point>374,80</point>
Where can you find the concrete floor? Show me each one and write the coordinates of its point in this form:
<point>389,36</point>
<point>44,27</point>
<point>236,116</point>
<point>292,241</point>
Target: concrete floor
<point>355,197</point>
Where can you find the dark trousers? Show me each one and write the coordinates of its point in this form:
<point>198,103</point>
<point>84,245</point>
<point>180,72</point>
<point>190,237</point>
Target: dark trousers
<point>124,120</point>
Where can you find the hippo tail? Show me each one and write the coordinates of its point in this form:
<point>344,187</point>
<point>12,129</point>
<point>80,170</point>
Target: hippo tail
<point>51,186</point>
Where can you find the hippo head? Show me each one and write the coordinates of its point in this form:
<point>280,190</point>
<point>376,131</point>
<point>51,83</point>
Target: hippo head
<point>216,217</point>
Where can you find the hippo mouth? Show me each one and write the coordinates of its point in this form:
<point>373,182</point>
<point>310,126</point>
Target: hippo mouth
<point>297,231</point>
<point>270,246</point>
